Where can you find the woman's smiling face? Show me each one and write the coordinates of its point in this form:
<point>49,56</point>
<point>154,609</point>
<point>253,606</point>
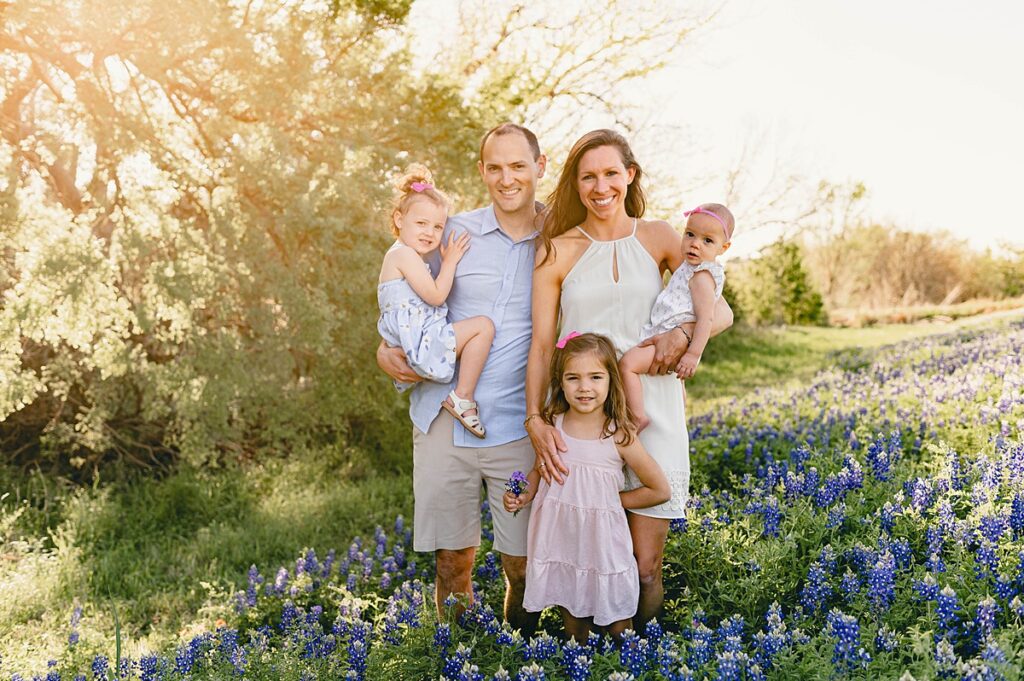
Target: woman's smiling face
<point>602,181</point>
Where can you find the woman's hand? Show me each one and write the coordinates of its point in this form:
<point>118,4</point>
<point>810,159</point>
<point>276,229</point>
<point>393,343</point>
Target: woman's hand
<point>668,350</point>
<point>548,444</point>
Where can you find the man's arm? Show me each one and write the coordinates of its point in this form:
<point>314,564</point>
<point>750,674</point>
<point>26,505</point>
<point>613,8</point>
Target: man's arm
<point>392,362</point>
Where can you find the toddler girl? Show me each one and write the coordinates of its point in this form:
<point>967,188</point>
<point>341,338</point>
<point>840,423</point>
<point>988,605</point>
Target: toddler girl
<point>412,310</point>
<point>579,550</point>
<point>690,296</point>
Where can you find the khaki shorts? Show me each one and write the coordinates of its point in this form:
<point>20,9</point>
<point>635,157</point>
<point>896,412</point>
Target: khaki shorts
<point>446,487</point>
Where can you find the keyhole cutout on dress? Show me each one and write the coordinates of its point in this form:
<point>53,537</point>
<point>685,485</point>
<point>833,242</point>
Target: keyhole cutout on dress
<point>615,263</point>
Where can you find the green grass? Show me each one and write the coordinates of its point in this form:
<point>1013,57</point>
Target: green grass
<point>746,358</point>
<point>146,545</point>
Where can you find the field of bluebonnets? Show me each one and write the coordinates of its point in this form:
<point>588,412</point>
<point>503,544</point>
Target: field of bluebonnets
<point>865,525</point>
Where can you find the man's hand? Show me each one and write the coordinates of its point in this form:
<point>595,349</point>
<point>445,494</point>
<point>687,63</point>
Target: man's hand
<point>668,350</point>
<point>547,443</point>
<point>392,362</point>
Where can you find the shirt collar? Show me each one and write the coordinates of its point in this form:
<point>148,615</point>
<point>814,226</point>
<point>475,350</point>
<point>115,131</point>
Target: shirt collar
<point>490,222</point>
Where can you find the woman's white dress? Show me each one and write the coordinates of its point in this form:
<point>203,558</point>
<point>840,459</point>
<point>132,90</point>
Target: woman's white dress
<point>594,301</point>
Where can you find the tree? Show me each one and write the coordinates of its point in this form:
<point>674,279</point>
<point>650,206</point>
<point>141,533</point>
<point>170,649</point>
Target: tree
<point>192,205</point>
<point>775,288</point>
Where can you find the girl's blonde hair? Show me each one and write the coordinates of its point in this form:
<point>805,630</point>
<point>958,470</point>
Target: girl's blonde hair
<point>417,182</point>
<point>618,419</point>
<point>565,210</point>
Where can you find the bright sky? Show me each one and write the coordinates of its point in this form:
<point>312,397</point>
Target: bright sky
<point>921,101</point>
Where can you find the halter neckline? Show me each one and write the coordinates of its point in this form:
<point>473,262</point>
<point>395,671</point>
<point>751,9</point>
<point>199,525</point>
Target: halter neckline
<point>608,241</point>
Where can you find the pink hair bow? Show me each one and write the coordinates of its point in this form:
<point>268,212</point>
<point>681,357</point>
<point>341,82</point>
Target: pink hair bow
<point>565,339</point>
<point>705,211</point>
<point>420,186</point>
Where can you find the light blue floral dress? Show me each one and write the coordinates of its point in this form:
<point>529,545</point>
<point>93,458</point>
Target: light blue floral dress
<point>420,329</point>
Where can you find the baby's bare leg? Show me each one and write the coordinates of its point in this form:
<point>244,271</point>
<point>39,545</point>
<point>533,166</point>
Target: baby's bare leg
<point>635,362</point>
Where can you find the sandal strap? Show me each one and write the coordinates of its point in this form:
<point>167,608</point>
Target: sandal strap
<point>460,404</point>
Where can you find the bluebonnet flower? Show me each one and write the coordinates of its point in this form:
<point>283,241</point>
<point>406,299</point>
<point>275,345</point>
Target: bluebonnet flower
<point>848,653</point>
<point>540,647</point>
<point>701,646</point>
<point>634,654</point>
<point>531,672</point>
<point>985,619</point>
<point>850,586</point>
<point>76,617</point>
<point>1016,520</point>
<point>946,608</point>
<point>454,663</point>
<point>149,668</point>
<point>836,516</point>
<point>443,636</point>
<point>882,581</point>
<point>945,657</point>
<point>489,569</point>
<point>729,666</point>
<point>100,667</point>
<point>816,591</point>
<point>885,639</point>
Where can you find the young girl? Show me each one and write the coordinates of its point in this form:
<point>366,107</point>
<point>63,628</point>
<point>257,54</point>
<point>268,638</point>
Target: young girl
<point>412,310</point>
<point>579,550</point>
<point>690,296</point>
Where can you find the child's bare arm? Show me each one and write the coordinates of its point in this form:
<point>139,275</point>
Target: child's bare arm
<point>702,290</point>
<point>433,291</point>
<point>515,503</point>
<point>655,488</point>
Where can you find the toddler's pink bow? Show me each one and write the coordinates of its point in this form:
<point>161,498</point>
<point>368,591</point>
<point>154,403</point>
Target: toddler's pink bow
<point>565,339</point>
<point>420,186</point>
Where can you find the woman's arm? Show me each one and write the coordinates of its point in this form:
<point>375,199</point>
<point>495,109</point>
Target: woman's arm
<point>655,488</point>
<point>546,440</point>
<point>702,291</point>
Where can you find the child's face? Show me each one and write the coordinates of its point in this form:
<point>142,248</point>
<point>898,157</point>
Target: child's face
<point>585,383</point>
<point>421,225</point>
<point>703,239</point>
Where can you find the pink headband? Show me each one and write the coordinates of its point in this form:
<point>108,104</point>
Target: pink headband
<point>565,339</point>
<point>705,211</point>
<point>420,186</point>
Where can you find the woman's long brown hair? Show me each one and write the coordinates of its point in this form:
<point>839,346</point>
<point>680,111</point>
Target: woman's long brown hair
<point>618,419</point>
<point>565,210</point>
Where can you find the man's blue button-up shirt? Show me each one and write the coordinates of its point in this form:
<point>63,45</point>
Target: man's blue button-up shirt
<point>493,279</point>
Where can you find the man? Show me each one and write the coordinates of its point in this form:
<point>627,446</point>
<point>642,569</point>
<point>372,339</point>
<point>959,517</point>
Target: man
<point>494,280</point>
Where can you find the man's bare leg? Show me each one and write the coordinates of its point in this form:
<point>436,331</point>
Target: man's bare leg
<point>454,576</point>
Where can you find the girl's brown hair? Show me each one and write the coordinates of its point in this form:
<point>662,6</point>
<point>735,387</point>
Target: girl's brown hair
<point>565,210</point>
<point>405,193</point>
<point>618,419</point>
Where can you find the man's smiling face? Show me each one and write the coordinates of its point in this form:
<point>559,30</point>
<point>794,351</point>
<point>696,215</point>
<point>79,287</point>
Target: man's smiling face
<point>510,172</point>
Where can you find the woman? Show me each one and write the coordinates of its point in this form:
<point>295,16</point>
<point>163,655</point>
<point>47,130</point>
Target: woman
<point>599,269</point>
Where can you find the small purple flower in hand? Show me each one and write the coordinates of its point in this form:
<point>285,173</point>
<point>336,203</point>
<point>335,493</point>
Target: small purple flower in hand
<point>516,485</point>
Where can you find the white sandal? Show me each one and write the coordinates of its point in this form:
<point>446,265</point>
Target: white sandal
<point>458,409</point>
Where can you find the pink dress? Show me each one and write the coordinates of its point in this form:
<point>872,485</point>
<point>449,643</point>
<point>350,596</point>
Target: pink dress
<point>579,551</point>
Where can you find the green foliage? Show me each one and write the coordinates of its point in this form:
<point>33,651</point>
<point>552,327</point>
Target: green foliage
<point>775,288</point>
<point>193,200</point>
